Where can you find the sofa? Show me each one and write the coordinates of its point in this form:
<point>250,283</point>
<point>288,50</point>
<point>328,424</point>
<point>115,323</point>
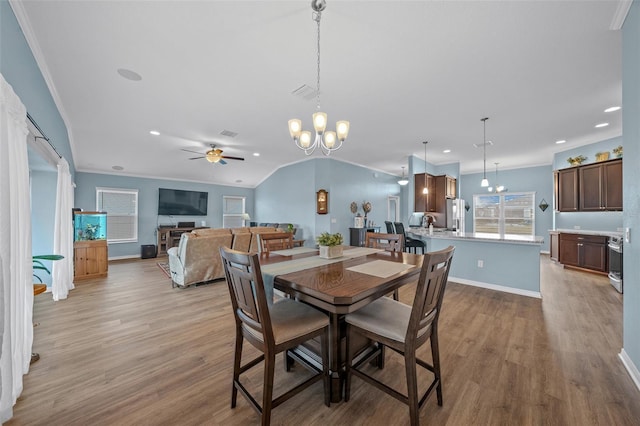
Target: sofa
<point>196,259</point>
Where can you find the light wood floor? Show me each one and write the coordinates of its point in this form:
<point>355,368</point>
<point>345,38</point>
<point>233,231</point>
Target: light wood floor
<point>131,350</point>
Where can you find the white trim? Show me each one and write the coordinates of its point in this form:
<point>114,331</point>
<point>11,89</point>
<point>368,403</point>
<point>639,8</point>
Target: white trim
<point>29,35</point>
<point>631,367</point>
<point>620,15</point>
<point>129,256</point>
<point>496,287</point>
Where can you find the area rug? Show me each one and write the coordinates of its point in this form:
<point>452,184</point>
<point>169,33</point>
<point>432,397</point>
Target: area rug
<point>165,268</point>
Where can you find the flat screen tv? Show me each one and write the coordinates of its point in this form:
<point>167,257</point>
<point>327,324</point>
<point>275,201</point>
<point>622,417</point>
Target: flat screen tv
<point>176,202</point>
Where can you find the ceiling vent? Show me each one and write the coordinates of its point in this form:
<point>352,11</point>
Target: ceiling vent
<point>305,92</point>
<point>228,133</point>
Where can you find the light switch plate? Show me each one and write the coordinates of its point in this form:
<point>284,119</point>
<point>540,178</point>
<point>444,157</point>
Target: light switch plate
<point>627,235</point>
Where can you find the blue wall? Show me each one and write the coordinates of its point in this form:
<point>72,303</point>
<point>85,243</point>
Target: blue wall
<point>148,219</point>
<point>631,177</point>
<point>289,196</point>
<point>537,179</point>
<point>596,221</point>
<point>43,201</point>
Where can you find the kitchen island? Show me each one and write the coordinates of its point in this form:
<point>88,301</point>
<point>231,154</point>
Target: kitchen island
<point>508,262</point>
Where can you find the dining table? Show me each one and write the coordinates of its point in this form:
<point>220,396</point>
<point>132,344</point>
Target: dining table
<point>337,287</point>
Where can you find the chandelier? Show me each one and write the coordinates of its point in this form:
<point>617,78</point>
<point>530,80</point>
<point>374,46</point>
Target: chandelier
<point>328,141</point>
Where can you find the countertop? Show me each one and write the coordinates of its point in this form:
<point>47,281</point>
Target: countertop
<point>588,232</point>
<point>476,236</point>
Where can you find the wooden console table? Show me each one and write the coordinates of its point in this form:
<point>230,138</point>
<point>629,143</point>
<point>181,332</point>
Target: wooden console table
<point>169,236</point>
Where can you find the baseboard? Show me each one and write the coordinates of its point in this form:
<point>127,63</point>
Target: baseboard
<point>130,256</point>
<point>528,293</point>
<point>545,252</point>
<point>631,367</point>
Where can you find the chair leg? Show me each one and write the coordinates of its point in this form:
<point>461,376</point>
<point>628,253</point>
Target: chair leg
<point>412,387</point>
<point>347,371</point>
<point>395,295</point>
<point>326,383</point>
<point>237,359</point>
<point>435,355</point>
<point>267,392</point>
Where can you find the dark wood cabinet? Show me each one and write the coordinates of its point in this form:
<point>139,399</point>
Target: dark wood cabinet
<point>593,187</point>
<point>424,202</point>
<point>357,236</point>
<point>584,251</point>
<point>567,190</point>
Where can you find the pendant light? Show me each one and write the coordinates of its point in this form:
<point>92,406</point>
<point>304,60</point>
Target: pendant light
<point>403,181</point>
<point>498,188</point>
<point>485,181</point>
<point>425,190</point>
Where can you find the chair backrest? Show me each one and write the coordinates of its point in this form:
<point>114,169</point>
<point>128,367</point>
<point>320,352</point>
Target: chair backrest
<point>248,297</point>
<point>390,228</point>
<point>399,227</point>
<point>429,293</point>
<point>389,242</point>
<point>271,241</point>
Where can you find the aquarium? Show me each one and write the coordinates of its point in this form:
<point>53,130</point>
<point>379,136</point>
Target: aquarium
<point>89,226</point>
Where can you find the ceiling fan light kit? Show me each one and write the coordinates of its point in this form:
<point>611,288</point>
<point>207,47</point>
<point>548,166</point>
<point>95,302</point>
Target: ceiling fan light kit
<point>327,141</point>
<point>214,155</point>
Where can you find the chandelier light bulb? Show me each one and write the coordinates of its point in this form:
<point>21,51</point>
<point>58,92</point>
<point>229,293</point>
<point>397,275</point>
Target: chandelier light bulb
<point>305,139</point>
<point>330,139</point>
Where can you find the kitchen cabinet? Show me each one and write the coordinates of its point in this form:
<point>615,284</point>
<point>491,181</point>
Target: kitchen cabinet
<point>554,245</point>
<point>424,202</point>
<point>584,251</point>
<point>445,187</point>
<point>593,187</point>
<point>567,190</point>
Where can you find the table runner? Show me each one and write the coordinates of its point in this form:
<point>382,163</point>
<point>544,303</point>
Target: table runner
<point>269,272</point>
<point>295,250</point>
<point>380,268</point>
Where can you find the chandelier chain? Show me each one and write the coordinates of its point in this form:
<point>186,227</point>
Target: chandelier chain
<point>316,17</point>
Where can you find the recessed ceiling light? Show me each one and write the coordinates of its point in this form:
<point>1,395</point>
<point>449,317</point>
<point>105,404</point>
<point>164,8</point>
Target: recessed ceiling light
<point>601,125</point>
<point>129,75</point>
<point>155,132</point>
<point>446,151</point>
<point>611,109</point>
<point>117,167</point>
<point>560,141</point>
<point>238,180</point>
<point>256,154</point>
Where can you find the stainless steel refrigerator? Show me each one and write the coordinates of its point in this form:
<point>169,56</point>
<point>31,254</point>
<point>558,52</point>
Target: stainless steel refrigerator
<point>455,215</point>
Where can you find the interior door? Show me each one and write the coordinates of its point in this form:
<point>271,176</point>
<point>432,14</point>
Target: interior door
<point>393,208</point>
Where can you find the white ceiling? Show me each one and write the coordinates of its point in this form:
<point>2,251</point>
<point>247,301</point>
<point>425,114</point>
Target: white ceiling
<point>400,71</point>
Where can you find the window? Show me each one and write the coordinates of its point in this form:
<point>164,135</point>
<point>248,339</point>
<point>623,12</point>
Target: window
<point>121,206</point>
<point>509,213</point>
<point>232,211</point>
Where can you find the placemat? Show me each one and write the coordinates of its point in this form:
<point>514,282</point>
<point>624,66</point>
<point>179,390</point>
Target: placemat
<point>380,268</point>
<point>295,250</point>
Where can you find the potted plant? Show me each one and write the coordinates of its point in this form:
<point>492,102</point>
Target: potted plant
<point>37,263</point>
<point>330,245</point>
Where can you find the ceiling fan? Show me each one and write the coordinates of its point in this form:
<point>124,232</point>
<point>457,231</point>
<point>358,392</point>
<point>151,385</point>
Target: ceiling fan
<point>214,155</point>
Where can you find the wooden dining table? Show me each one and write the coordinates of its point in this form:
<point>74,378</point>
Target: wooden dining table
<point>338,287</point>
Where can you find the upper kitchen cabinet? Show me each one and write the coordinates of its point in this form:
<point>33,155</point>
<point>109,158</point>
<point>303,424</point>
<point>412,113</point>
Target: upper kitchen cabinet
<point>566,183</point>
<point>601,186</point>
<point>424,202</point>
<point>593,187</point>
<point>445,187</point>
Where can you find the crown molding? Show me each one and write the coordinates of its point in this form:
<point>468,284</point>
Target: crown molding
<point>620,14</point>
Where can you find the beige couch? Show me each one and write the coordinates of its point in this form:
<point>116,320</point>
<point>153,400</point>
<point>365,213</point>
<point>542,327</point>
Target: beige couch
<point>196,259</point>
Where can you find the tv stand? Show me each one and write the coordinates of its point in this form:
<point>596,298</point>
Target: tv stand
<point>169,236</point>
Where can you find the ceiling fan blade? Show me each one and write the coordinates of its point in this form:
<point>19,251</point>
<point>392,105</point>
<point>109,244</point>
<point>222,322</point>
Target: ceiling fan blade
<point>196,158</point>
<point>232,158</point>
<point>188,150</point>
<point>221,161</point>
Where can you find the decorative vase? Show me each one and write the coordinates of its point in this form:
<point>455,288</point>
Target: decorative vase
<point>330,252</point>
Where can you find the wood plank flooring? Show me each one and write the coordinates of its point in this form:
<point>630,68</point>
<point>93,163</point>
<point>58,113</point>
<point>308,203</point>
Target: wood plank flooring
<point>130,350</point>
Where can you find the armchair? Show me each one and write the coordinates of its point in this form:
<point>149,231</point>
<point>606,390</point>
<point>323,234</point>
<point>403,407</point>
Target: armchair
<point>197,258</point>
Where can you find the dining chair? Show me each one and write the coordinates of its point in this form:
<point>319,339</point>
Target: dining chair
<point>409,243</point>
<point>404,329</point>
<point>271,329</point>
<point>270,241</point>
<point>388,242</point>
<point>390,228</point>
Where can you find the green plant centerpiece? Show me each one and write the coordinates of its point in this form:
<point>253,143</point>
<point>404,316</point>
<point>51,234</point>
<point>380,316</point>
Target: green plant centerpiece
<point>618,151</point>
<point>576,161</point>
<point>38,265</point>
<point>330,245</point>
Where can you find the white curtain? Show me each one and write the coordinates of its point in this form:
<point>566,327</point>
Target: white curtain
<point>16,270</point>
<point>62,270</point>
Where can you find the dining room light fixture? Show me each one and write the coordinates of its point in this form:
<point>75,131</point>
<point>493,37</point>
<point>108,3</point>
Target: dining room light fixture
<point>498,188</point>
<point>403,180</point>
<point>485,182</point>
<point>328,141</point>
<point>425,189</point>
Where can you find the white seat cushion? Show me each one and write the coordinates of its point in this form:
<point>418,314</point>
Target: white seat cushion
<point>385,317</point>
<point>291,319</point>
